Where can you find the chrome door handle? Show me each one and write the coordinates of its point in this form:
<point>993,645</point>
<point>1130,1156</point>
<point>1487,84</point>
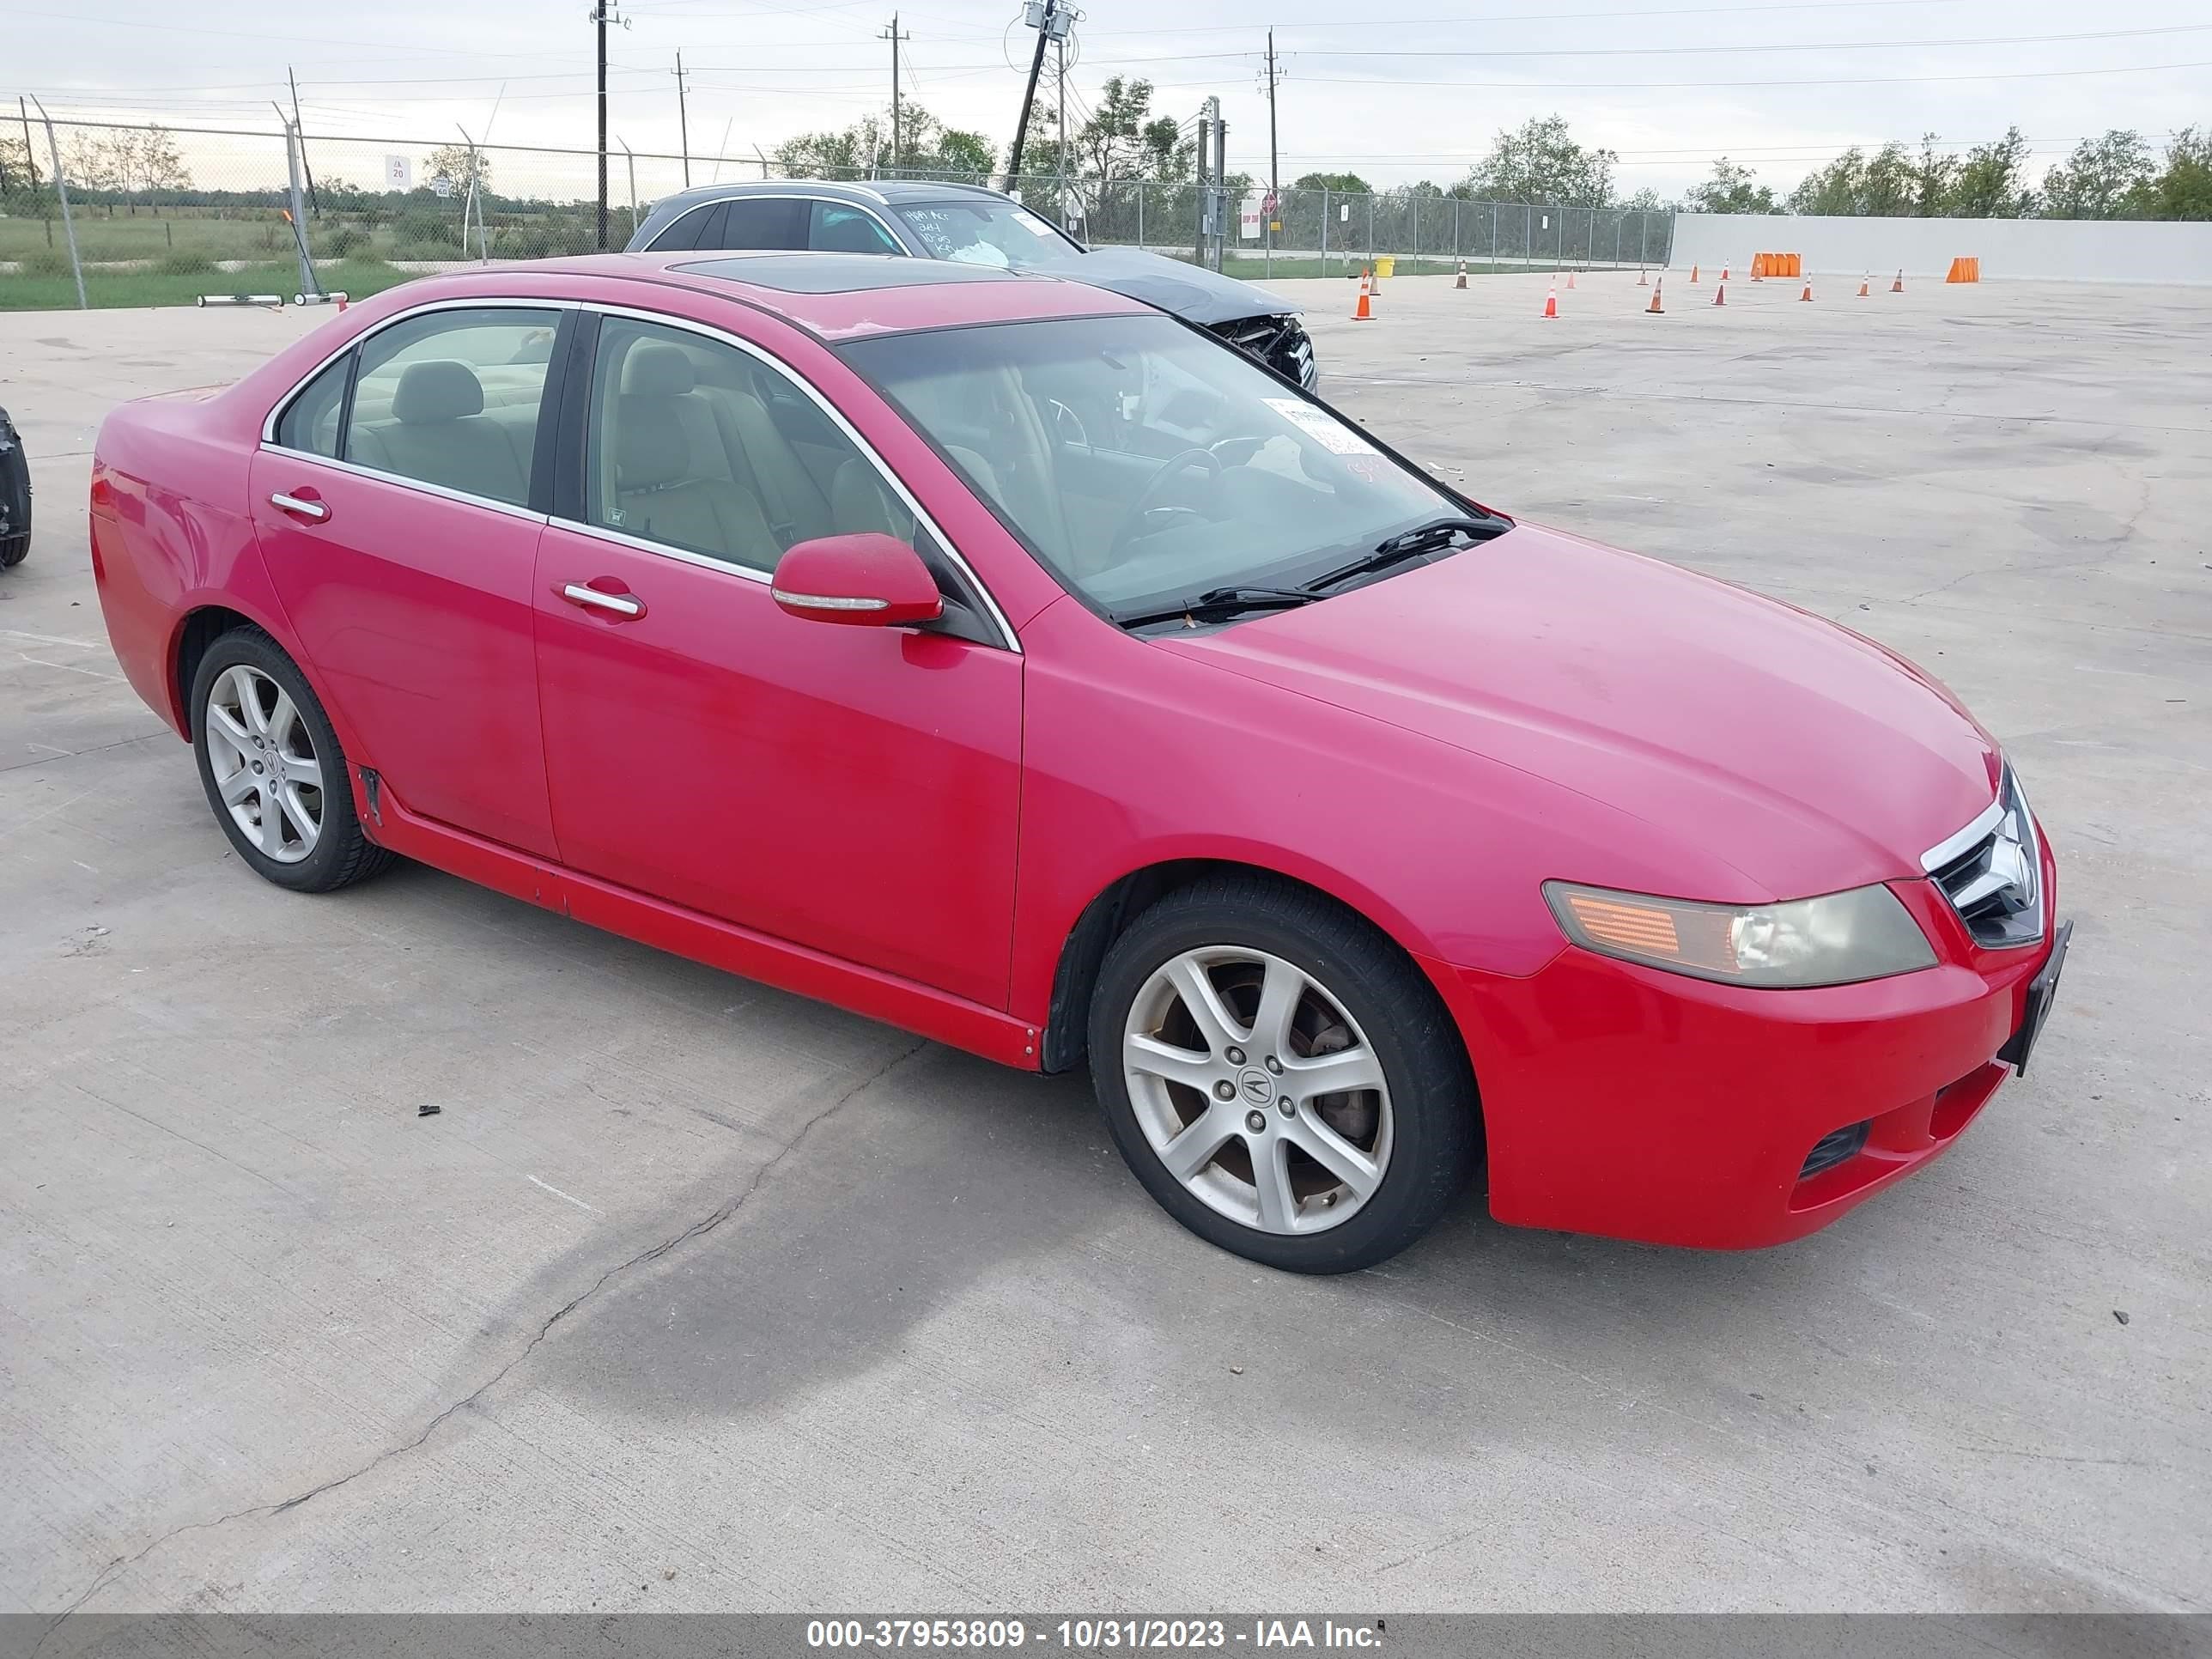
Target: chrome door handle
<point>620,604</point>
<point>306,509</point>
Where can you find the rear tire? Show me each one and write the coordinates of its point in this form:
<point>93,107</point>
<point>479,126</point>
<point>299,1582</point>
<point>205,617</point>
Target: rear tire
<point>1279,1076</point>
<point>274,772</point>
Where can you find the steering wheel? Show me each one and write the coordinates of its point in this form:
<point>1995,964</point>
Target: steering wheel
<point>1149,503</point>
<point>1064,418</point>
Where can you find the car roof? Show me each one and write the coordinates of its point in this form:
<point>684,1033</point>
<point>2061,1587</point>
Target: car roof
<point>835,296</point>
<point>882,192</point>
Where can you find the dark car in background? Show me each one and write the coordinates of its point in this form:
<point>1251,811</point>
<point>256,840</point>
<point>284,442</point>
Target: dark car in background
<point>975,226</point>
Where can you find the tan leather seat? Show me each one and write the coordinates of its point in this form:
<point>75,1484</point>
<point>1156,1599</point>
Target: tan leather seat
<point>658,495</point>
<point>439,433</point>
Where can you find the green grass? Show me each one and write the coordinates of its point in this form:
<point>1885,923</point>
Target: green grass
<point>148,235</point>
<point>355,278</point>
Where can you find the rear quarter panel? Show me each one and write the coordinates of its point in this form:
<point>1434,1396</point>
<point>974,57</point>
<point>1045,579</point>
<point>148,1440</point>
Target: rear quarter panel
<point>170,534</point>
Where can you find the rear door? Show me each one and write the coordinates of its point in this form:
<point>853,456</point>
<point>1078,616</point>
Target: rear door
<point>396,502</point>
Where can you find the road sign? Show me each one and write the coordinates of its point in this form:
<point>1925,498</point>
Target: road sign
<point>398,172</point>
<point>1270,202</point>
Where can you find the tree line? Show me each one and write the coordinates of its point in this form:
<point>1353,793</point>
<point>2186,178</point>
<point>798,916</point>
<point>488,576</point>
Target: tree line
<point>2117,176</point>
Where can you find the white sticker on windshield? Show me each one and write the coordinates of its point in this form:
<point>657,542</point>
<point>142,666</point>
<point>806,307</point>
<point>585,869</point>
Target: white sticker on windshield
<point>1035,226</point>
<point>1324,429</point>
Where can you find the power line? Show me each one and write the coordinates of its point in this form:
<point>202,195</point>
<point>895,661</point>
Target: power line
<point>1671,51</point>
<point>1845,81</point>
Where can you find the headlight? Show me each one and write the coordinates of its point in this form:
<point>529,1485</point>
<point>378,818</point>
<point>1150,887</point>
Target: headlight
<point>1866,933</point>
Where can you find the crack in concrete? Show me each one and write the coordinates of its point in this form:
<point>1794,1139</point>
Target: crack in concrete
<point>698,1229</point>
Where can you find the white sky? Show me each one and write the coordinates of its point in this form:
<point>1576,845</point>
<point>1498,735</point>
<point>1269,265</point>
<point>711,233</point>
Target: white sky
<point>763,71</point>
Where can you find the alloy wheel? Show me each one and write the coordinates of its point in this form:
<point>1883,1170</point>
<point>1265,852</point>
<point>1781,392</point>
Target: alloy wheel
<point>1257,1089</point>
<point>264,764</point>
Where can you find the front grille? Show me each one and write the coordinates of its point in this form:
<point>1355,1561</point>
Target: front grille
<point>1992,871</point>
<point>1833,1148</point>
<point>1280,342</point>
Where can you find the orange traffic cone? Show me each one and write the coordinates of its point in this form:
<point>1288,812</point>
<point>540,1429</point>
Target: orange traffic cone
<point>342,302</point>
<point>1365,311</point>
<point>1720,293</point>
<point>1643,277</point>
<point>1571,280</point>
<point>1551,299</point>
<point>1724,273</point>
<point>1461,282</point>
<point>1654,309</point>
<point>1863,282</point>
<point>1808,293</point>
<point>1693,276</point>
<point>1898,287</point>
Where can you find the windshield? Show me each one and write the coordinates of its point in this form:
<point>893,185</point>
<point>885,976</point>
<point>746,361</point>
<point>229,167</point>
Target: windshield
<point>1143,463</point>
<point>985,232</point>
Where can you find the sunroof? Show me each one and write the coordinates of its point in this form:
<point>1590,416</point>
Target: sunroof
<point>844,273</point>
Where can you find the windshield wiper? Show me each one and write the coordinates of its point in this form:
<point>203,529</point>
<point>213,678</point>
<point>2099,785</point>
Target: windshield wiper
<point>1217,603</point>
<point>1413,544</point>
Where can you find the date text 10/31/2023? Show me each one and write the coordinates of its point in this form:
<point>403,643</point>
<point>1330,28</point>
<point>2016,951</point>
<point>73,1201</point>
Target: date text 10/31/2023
<point>1090,1635</point>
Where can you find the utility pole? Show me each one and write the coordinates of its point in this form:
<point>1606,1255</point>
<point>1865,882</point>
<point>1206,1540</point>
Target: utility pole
<point>1052,21</point>
<point>602,14</point>
<point>683,118</point>
<point>306,165</point>
<point>1274,173</point>
<point>898,132</point>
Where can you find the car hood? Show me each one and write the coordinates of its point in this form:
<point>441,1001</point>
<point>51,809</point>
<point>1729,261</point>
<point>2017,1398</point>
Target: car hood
<point>1190,292</point>
<point>1740,734</point>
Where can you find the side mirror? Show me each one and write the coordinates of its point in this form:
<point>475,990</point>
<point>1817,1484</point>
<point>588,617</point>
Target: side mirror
<point>868,579</point>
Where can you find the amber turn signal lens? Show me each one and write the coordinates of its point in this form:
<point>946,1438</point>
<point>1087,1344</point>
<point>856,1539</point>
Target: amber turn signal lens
<point>1835,940</point>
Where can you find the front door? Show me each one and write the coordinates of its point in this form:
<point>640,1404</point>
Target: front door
<point>852,789</point>
<point>393,510</point>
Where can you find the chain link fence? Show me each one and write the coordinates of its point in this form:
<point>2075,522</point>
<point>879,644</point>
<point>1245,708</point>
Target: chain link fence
<point>156,214</point>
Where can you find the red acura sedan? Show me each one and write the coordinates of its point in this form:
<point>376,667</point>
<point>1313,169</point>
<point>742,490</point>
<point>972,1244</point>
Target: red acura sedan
<point>997,657</point>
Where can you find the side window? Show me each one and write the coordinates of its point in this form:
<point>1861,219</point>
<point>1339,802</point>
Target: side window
<point>701,447</point>
<point>833,227</point>
<point>310,423</point>
<point>453,398</point>
<point>696,228</point>
<point>755,223</point>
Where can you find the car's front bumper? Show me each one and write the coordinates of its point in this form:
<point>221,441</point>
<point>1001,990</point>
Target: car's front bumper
<point>1641,1104</point>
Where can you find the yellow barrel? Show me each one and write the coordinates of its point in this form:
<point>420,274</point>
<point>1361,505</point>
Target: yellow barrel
<point>1384,265</point>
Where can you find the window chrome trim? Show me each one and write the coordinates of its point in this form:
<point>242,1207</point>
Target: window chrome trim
<point>1010,640</point>
<point>277,413</point>
<point>666,550</point>
<point>421,485</point>
<point>898,241</point>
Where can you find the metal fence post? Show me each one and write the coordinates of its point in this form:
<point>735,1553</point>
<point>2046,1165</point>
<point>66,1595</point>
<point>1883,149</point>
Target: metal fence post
<point>295,215</point>
<point>1141,213</point>
<point>1642,236</point>
<point>1370,227</point>
<point>1324,230</point>
<point>61,189</point>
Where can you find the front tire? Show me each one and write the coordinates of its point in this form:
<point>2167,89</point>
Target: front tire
<point>1280,1077</point>
<point>274,772</point>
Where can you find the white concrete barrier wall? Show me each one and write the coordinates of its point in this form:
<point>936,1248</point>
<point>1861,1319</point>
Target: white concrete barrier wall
<point>2050,250</point>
